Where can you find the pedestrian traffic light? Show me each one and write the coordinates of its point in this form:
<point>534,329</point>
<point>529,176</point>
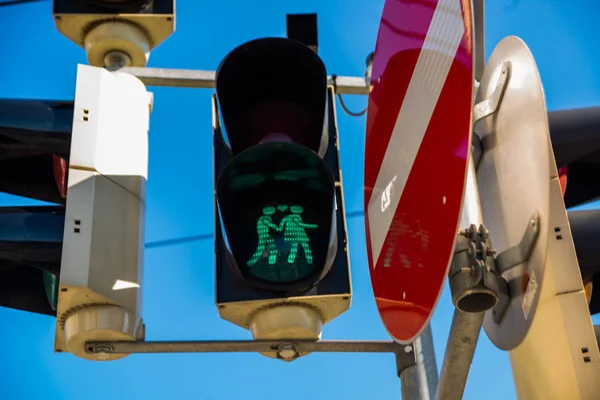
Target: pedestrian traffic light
<point>35,137</point>
<point>80,260</point>
<point>574,134</point>
<point>282,267</point>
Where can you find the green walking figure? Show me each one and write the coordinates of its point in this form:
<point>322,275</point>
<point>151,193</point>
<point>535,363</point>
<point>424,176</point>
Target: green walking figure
<point>295,234</point>
<point>264,223</point>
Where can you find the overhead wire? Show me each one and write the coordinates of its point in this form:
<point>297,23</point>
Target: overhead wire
<point>205,236</point>
<point>17,2</point>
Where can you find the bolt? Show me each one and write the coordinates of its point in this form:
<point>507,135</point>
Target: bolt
<point>472,249</point>
<point>102,348</point>
<point>102,351</point>
<point>483,232</point>
<point>287,352</point>
<point>102,356</point>
<point>408,349</point>
<point>114,60</point>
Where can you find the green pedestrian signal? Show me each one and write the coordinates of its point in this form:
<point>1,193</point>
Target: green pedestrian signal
<point>295,234</point>
<point>276,256</point>
<point>265,241</point>
<point>277,203</point>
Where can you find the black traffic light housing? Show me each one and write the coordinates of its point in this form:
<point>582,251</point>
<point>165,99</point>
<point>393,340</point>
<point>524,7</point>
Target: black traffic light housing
<point>303,28</point>
<point>575,135</point>
<point>30,255</point>
<point>35,139</point>
<point>113,7</point>
<point>276,133</point>
<point>279,151</point>
<point>273,85</point>
<point>585,229</point>
<point>115,32</point>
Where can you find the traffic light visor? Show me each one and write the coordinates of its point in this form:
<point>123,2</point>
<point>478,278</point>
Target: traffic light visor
<point>272,85</point>
<point>277,206</point>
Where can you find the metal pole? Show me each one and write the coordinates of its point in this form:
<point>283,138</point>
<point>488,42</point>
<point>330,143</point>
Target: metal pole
<point>462,340</point>
<point>465,329</point>
<point>478,23</point>
<point>419,380</point>
<point>206,79</point>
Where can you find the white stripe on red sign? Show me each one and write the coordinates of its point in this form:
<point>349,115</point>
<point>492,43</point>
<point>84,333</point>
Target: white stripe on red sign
<point>443,38</point>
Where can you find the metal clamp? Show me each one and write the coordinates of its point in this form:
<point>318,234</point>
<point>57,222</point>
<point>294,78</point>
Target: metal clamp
<point>405,357</point>
<point>474,282</point>
<point>490,105</point>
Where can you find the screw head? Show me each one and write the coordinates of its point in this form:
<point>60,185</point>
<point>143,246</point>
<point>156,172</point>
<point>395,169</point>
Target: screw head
<point>116,59</point>
<point>102,356</point>
<point>287,352</point>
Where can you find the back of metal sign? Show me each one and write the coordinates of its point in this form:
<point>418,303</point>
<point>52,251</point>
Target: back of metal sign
<point>514,182</point>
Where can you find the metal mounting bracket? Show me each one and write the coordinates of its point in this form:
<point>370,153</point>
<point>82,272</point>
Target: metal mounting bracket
<point>521,252</point>
<point>514,256</point>
<point>501,307</point>
<point>288,349</point>
<point>490,105</point>
<point>476,149</point>
<point>405,357</point>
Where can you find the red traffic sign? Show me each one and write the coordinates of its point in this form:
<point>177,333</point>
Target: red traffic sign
<point>417,144</point>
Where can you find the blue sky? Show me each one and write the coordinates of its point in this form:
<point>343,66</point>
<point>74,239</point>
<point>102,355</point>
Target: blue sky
<point>37,62</point>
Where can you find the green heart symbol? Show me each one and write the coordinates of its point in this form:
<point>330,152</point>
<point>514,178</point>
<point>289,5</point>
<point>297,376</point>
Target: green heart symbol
<point>282,208</point>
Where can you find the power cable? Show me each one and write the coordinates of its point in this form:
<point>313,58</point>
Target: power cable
<point>17,2</point>
<point>205,236</point>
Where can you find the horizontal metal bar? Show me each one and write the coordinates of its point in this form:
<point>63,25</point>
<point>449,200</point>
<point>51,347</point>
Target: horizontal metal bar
<point>206,79</point>
<point>250,346</point>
